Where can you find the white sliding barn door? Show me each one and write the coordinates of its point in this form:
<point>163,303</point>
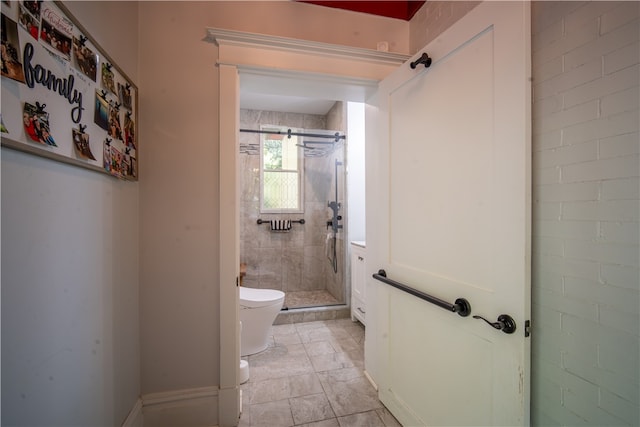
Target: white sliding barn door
<point>448,213</point>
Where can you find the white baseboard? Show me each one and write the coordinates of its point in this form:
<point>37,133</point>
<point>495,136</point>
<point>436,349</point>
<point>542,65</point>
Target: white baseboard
<point>169,397</point>
<point>373,383</point>
<point>188,407</point>
<point>135,419</point>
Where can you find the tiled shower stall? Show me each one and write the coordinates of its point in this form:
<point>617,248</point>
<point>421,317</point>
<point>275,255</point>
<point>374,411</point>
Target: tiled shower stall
<point>296,262</point>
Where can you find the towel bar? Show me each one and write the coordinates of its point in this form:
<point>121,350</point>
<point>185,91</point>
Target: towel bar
<point>261,221</point>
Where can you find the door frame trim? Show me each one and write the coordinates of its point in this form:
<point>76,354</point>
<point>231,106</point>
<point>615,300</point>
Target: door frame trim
<point>279,57</point>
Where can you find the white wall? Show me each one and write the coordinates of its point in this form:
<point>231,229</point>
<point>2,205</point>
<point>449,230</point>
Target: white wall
<point>70,342</point>
<point>434,18</point>
<point>355,171</point>
<point>585,219</point>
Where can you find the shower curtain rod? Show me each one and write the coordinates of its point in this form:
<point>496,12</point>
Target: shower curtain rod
<point>289,134</point>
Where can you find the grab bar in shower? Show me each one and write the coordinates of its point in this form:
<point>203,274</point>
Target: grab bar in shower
<point>461,306</point>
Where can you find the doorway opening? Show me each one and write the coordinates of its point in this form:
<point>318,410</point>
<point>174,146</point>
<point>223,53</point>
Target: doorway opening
<point>309,261</point>
<point>309,69</point>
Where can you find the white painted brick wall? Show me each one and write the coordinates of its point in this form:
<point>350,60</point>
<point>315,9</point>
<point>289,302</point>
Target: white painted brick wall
<point>612,82</point>
<point>586,213</point>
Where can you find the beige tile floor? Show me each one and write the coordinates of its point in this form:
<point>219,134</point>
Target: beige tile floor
<point>312,375</point>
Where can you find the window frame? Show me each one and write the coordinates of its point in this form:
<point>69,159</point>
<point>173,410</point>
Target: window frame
<point>300,170</point>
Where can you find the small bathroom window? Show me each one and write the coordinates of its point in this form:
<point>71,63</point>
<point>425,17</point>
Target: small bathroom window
<point>281,171</point>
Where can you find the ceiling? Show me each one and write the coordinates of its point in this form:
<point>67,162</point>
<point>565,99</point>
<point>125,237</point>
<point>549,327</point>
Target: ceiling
<point>399,9</point>
<point>252,91</point>
<point>293,93</point>
<point>284,104</point>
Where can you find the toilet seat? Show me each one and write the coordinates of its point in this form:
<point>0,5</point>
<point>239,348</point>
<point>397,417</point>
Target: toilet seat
<point>253,297</point>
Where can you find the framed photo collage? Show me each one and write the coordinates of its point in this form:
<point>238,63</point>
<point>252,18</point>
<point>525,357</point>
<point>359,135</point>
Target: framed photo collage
<point>62,97</point>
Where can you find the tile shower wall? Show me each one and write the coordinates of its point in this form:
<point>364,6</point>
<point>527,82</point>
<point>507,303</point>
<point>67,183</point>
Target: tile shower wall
<point>297,260</point>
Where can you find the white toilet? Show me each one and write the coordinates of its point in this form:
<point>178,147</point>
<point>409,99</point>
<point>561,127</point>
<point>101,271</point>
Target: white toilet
<point>258,310</point>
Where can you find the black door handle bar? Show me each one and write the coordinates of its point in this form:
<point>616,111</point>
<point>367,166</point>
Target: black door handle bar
<point>461,306</point>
